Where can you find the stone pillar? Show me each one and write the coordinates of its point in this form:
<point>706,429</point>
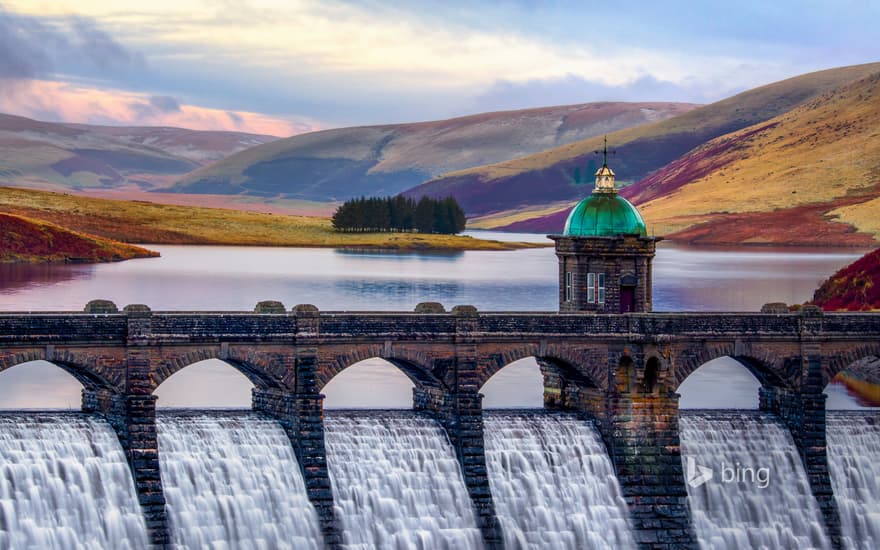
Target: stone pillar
<point>803,412</point>
<point>301,416</point>
<point>301,413</point>
<point>641,432</point>
<point>460,412</point>
<point>461,415</point>
<point>133,417</point>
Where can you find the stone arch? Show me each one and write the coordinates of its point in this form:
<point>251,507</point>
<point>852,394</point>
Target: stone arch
<point>762,363</point>
<point>413,363</point>
<point>89,370</point>
<point>832,365</point>
<point>252,370</point>
<point>562,361</point>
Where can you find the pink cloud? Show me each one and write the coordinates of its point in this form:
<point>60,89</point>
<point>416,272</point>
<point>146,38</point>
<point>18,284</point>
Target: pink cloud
<point>66,102</point>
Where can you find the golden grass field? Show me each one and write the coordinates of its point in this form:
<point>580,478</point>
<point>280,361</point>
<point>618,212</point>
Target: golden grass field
<point>823,152</point>
<point>146,222</point>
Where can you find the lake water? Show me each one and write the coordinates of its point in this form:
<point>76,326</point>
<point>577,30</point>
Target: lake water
<point>236,278</point>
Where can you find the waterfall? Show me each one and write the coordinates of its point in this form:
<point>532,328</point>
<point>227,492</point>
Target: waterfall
<point>758,495</point>
<point>553,483</point>
<point>397,483</point>
<point>232,481</point>
<point>65,484</point>
<point>853,452</point>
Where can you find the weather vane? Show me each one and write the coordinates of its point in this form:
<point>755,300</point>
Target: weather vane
<point>605,152</point>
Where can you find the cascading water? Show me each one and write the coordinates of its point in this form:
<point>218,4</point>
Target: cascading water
<point>397,483</point>
<point>65,484</point>
<point>853,451</point>
<point>232,481</point>
<point>758,495</point>
<point>553,483</point>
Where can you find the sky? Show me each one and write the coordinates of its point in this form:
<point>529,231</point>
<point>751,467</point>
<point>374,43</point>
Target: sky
<point>283,67</point>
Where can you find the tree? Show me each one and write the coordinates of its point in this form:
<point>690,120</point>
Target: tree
<point>400,214</point>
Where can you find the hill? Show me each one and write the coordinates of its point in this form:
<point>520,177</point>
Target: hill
<point>856,287</point>
<point>533,182</point>
<point>60,156</point>
<point>385,160</point>
<point>146,222</point>
<point>26,240</point>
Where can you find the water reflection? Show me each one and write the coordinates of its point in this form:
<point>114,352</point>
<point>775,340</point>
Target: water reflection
<point>236,278</point>
<point>28,277</point>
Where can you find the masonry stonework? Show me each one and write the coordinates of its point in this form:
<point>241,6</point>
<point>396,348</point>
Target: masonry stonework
<point>620,371</point>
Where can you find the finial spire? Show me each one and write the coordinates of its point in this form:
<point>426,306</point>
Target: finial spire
<point>605,152</point>
<point>605,176</point>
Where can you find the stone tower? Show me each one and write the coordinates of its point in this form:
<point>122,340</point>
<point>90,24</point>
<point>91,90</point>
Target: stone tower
<point>604,254</point>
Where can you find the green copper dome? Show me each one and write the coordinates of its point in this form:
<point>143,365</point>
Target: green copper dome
<point>603,214</point>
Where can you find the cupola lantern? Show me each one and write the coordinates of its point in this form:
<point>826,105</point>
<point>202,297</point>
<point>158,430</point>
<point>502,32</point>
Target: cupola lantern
<point>605,253</point>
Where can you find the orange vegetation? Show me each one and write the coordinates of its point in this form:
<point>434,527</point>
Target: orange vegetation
<point>27,240</point>
<point>855,287</point>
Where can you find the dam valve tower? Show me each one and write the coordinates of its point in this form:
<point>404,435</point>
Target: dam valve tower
<point>605,253</point>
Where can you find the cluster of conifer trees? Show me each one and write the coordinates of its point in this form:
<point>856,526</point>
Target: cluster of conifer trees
<point>400,214</point>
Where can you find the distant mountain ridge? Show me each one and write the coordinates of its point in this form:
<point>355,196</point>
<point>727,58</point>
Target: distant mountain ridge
<point>61,156</point>
<point>538,180</point>
<point>385,160</point>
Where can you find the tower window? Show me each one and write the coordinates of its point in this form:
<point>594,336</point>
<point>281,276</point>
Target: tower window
<point>568,286</point>
<point>595,288</point>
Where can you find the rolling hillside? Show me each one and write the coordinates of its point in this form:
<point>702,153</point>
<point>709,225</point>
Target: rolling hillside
<point>48,155</point>
<point>508,189</point>
<point>808,177</point>
<point>385,160</point>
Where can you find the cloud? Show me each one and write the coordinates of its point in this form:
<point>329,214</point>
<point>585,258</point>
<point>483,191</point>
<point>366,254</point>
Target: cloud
<point>505,94</point>
<point>164,103</point>
<point>36,47</point>
<point>59,101</point>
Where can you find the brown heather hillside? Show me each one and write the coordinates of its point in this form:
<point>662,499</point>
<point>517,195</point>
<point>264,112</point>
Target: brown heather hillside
<point>26,240</point>
<point>385,160</point>
<point>538,180</point>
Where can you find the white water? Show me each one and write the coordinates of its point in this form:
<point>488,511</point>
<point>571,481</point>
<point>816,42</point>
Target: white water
<point>65,484</point>
<point>397,483</point>
<point>854,463</point>
<point>232,481</point>
<point>746,512</point>
<point>553,483</point>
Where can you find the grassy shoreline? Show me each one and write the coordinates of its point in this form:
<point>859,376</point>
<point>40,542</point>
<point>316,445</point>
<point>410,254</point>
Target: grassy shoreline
<point>147,222</point>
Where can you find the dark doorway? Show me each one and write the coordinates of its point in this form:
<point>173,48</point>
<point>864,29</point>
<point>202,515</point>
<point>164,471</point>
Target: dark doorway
<point>627,299</point>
